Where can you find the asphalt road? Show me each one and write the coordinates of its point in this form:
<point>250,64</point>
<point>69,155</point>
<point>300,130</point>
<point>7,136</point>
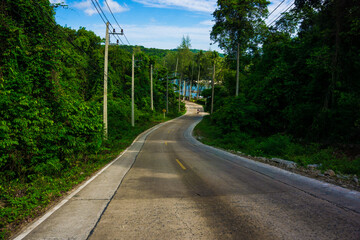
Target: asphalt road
<point>177,188</point>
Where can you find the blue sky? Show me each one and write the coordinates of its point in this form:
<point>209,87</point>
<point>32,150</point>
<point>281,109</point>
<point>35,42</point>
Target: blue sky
<point>151,23</point>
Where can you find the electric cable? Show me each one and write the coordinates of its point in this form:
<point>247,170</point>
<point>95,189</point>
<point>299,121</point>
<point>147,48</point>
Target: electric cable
<point>98,4</point>
<point>116,21</point>
<point>63,32</point>
<point>274,21</point>
<point>275,9</point>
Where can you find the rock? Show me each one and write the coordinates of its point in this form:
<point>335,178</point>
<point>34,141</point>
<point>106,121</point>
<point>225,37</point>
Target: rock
<point>355,179</point>
<point>287,163</point>
<point>340,176</point>
<point>313,166</point>
<point>329,173</point>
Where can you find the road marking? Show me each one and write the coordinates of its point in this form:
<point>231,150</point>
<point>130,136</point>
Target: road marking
<point>181,165</point>
<point>77,190</point>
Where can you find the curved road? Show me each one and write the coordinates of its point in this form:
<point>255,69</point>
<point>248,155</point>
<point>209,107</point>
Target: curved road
<point>179,189</point>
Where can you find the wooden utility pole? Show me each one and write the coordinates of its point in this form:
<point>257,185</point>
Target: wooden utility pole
<point>237,70</point>
<point>132,92</point>
<point>151,85</point>
<point>191,81</point>
<point>167,94</point>
<point>105,81</point>
<point>184,91</point>
<point>212,90</point>
<point>190,90</point>
<point>197,94</point>
<point>180,90</point>
<point>177,61</point>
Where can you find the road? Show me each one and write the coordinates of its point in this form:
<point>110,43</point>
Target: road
<point>179,189</point>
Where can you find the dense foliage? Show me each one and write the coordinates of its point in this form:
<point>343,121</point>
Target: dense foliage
<point>299,93</point>
<point>299,82</point>
<point>303,80</point>
<point>51,93</point>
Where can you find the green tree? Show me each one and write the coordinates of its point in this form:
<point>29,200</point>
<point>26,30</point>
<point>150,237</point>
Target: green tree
<point>238,22</point>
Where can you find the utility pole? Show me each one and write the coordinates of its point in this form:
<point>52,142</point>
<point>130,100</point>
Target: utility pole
<point>132,92</point>
<point>212,90</point>
<point>105,81</point>
<point>167,94</point>
<point>177,61</point>
<point>237,70</point>
<point>184,91</point>
<point>106,77</point>
<point>180,89</point>
<point>151,86</point>
<point>191,81</point>
<point>197,94</point>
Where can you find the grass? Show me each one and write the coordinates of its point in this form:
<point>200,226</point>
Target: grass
<point>280,146</point>
<point>21,202</point>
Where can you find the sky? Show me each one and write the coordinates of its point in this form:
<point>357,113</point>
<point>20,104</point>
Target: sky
<point>151,23</point>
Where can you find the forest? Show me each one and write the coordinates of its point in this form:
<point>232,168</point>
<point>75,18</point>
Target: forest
<point>51,101</point>
<point>298,94</point>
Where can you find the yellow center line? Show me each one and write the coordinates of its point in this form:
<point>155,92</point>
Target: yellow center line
<point>181,165</point>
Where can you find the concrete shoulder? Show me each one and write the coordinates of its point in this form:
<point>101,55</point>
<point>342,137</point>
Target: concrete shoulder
<point>339,196</point>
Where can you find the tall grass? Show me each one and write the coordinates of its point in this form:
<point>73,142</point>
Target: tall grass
<point>278,145</point>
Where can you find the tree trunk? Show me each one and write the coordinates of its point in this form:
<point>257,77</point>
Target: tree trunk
<point>338,11</point>
<point>212,90</point>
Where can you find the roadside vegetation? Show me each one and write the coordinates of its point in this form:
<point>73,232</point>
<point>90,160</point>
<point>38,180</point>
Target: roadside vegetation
<point>298,98</point>
<point>51,94</point>
<point>22,200</point>
<point>299,88</point>
<point>279,146</point>
<point>51,100</point>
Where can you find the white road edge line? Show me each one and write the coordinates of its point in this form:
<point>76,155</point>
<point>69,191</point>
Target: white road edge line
<point>64,201</point>
<point>50,212</point>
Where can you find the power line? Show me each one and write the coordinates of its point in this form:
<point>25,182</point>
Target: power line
<point>280,11</point>
<point>98,11</point>
<point>280,15</point>
<point>112,14</point>
<point>59,28</point>
<point>116,21</point>
<point>98,4</point>
<point>50,41</point>
<point>275,9</point>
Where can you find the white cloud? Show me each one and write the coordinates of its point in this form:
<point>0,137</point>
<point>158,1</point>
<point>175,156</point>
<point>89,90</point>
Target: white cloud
<point>89,8</point>
<point>207,6</point>
<point>167,37</point>
<point>57,1</point>
<point>207,23</point>
<point>116,7</point>
<point>161,36</point>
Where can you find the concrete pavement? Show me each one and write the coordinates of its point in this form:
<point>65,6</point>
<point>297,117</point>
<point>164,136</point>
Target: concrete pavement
<point>178,188</point>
